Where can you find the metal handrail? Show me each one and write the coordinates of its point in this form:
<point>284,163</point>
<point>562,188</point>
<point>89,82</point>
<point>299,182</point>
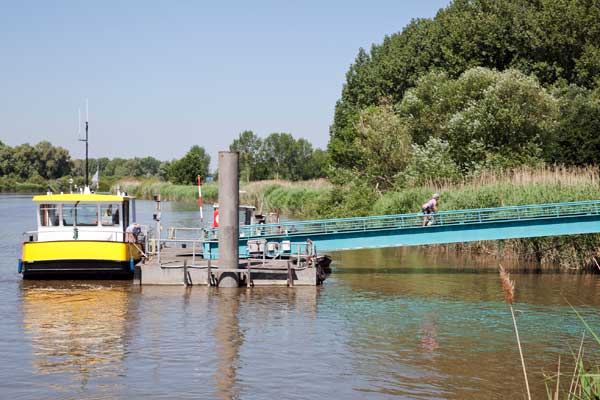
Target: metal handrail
<point>157,243</point>
<point>413,220</point>
<point>172,231</point>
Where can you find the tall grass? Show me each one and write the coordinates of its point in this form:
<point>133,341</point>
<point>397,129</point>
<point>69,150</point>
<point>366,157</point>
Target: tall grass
<point>297,198</point>
<point>167,191</point>
<point>517,187</point>
<point>495,189</point>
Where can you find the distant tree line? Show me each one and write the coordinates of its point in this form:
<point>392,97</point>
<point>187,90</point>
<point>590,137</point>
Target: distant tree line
<point>277,156</point>
<point>486,84</point>
<point>43,160</point>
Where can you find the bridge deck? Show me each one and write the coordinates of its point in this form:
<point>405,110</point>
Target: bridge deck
<point>447,227</point>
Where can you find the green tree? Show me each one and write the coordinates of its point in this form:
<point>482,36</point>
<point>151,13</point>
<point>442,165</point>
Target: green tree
<point>149,166</point>
<point>553,40</point>
<point>317,165</point>
<point>487,117</point>
<point>6,161</point>
<point>249,145</point>
<point>514,122</point>
<point>279,154</point>
<point>24,161</point>
<point>164,170</point>
<point>52,162</point>
<point>431,163</point>
<point>301,159</point>
<point>115,167</point>
<point>384,146</point>
<point>578,130</point>
<point>185,170</point>
<point>101,163</point>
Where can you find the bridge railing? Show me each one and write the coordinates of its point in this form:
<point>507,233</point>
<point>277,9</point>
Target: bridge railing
<point>400,221</point>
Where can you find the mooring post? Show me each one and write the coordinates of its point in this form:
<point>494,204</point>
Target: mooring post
<point>229,229</point>
<point>290,273</point>
<point>249,273</point>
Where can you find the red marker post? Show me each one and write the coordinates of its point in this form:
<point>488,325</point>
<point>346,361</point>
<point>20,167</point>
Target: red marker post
<point>200,199</point>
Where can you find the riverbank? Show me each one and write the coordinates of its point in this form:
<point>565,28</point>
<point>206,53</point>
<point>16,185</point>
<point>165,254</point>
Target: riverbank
<point>321,199</point>
<point>300,199</point>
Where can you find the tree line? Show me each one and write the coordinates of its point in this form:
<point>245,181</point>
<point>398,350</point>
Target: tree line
<point>485,84</point>
<point>279,155</point>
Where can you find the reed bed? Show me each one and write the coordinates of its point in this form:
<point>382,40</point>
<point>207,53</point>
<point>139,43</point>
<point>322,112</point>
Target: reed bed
<point>297,198</point>
<point>524,176</point>
<point>516,187</point>
<point>294,198</point>
<point>167,191</point>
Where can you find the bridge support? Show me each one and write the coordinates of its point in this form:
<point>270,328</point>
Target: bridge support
<point>229,229</point>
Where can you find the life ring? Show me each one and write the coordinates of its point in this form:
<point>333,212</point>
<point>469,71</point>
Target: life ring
<point>216,218</point>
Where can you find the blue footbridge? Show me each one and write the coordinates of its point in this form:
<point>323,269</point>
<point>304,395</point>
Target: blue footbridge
<point>398,230</point>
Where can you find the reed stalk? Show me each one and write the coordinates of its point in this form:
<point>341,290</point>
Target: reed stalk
<point>557,380</point>
<point>596,262</point>
<point>508,287</point>
<point>573,385</point>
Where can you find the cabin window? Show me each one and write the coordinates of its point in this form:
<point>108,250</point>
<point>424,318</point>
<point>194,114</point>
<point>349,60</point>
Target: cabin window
<point>49,215</point>
<point>80,214</point>
<point>109,214</point>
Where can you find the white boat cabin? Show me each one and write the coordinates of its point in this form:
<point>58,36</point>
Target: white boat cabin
<point>83,217</point>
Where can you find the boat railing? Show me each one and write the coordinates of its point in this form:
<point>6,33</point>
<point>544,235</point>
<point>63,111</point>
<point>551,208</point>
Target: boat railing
<point>115,236</point>
<point>261,249</point>
<point>158,244</point>
<point>173,230</point>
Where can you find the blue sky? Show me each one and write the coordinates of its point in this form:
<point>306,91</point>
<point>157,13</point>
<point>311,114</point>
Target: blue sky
<point>163,76</point>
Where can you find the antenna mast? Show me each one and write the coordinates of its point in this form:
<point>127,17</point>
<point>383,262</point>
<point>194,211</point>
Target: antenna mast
<point>86,143</point>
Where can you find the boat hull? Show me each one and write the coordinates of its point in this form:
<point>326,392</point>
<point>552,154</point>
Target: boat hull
<point>78,257</point>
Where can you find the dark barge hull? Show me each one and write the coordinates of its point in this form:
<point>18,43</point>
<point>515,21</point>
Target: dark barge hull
<point>87,269</point>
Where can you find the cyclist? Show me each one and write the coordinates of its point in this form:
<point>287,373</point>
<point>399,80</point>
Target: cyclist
<point>429,208</point>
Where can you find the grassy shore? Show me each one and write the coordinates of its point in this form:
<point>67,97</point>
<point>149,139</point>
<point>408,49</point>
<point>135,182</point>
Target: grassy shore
<point>320,199</point>
<point>294,198</point>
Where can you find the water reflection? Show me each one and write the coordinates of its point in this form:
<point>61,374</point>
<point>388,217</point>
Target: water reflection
<point>228,339</point>
<point>253,325</point>
<point>385,333</point>
<point>77,330</point>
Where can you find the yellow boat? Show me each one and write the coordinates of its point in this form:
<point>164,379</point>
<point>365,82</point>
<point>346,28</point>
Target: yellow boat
<point>83,233</point>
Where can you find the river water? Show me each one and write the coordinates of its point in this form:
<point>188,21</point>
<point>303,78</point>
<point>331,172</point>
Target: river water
<point>387,324</point>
